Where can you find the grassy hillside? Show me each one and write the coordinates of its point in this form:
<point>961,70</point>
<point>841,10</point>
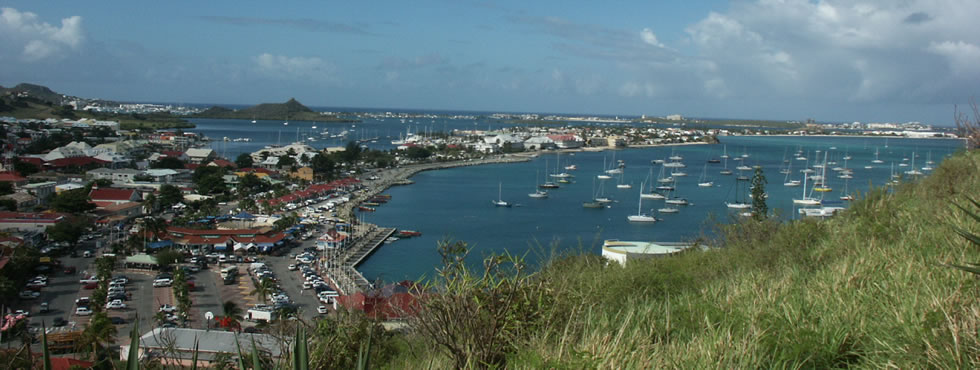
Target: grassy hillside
<point>867,288</point>
<point>38,109</point>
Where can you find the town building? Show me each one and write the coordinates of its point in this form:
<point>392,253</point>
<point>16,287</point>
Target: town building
<point>21,221</point>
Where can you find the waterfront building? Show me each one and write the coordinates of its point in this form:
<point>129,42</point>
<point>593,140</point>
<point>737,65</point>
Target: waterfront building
<point>623,251</point>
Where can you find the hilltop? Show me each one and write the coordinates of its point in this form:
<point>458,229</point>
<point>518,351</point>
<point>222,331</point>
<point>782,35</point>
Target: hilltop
<point>42,93</point>
<point>290,110</point>
<point>869,288</point>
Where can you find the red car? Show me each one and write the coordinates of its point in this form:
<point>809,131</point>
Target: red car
<point>91,285</point>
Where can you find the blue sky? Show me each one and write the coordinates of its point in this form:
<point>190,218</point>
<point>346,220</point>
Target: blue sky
<point>875,60</point>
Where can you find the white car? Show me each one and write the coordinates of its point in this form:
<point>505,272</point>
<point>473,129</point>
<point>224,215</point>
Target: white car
<point>115,305</point>
<point>83,311</point>
<point>291,267</point>
<point>27,294</point>
<point>162,283</point>
<point>88,280</point>
<point>307,285</point>
<point>168,308</point>
<point>322,309</point>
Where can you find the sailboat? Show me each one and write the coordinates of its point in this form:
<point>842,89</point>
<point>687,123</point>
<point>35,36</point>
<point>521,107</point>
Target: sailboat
<point>621,185</point>
<point>806,200</point>
<point>725,154</point>
<point>703,181</point>
<point>822,186</point>
<point>593,203</point>
<point>548,184</point>
<point>253,118</point>
<point>650,194</point>
<point>739,202</point>
<point>786,180</point>
<point>500,201</point>
<point>639,216</point>
<point>876,160</point>
<point>725,171</point>
<point>602,198</point>
<point>844,194</point>
<point>604,176</point>
<point>537,193</point>
<point>561,175</point>
<point>929,162</point>
<point>913,171</point>
<point>672,197</point>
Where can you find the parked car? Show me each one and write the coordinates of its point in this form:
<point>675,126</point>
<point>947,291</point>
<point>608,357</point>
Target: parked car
<point>291,267</point>
<point>21,313</point>
<point>115,305</point>
<point>168,308</point>
<point>322,309</point>
<point>83,302</point>
<point>27,294</point>
<point>91,286</point>
<point>83,311</point>
<point>162,283</point>
<point>117,295</point>
<point>88,279</point>
<point>87,254</point>
<point>44,307</point>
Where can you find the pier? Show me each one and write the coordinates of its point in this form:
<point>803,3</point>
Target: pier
<point>347,279</point>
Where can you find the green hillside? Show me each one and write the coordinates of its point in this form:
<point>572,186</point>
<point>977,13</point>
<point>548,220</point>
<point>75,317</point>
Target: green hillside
<point>290,110</point>
<point>42,93</point>
<point>868,288</point>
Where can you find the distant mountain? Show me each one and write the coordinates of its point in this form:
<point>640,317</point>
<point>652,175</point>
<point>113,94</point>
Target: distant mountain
<point>35,91</point>
<point>290,110</point>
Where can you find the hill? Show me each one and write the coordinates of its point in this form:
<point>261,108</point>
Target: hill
<point>290,110</point>
<point>42,93</point>
<point>869,288</point>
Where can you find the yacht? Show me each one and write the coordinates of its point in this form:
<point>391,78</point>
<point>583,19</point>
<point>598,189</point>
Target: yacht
<point>639,216</point>
<point>500,202</point>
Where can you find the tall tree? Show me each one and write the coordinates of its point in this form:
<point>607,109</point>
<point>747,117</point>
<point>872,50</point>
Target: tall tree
<point>170,195</point>
<point>244,160</point>
<point>72,201</point>
<point>172,163</point>
<point>68,230</point>
<point>760,211</point>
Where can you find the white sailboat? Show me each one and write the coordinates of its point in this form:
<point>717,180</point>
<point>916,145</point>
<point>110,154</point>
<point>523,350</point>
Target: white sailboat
<point>703,181</point>
<point>806,200</point>
<point>913,171</point>
<point>725,152</point>
<point>650,194</point>
<point>622,185</point>
<point>672,197</point>
<point>738,203</point>
<point>876,160</point>
<point>929,162</point>
<point>639,216</point>
<point>537,192</point>
<point>500,201</point>
<point>786,180</point>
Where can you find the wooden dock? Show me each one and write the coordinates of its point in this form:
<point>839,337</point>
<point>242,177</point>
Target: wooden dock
<point>345,276</point>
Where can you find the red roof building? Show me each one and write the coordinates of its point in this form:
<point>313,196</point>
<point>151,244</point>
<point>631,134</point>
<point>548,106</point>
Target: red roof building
<point>104,196</point>
<point>75,161</point>
<point>13,177</point>
<point>222,163</point>
<point>392,301</point>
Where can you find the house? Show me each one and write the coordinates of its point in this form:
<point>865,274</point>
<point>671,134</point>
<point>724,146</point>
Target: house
<point>103,197</point>
<point>222,163</point>
<point>505,141</point>
<point>567,141</point>
<point>180,346</point>
<point>21,221</point>
<point>41,190</point>
<point>21,199</point>
<point>117,212</point>
<point>118,176</point>
<point>302,173</point>
<point>14,178</point>
<point>200,155</point>
<point>161,175</point>
<point>539,143</point>
<point>331,240</point>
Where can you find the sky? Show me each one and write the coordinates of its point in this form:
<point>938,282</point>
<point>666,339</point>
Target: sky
<point>833,61</point>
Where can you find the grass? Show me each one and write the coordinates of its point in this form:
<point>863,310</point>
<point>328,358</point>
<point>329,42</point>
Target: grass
<point>868,288</point>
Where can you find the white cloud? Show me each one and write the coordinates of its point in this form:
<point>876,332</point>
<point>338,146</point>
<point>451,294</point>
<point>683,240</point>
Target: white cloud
<point>35,39</point>
<point>649,38</point>
<point>297,67</point>
<point>963,57</point>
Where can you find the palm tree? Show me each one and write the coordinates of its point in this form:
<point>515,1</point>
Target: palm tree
<point>150,203</point>
<point>262,289</point>
<point>232,314</point>
<point>97,335</point>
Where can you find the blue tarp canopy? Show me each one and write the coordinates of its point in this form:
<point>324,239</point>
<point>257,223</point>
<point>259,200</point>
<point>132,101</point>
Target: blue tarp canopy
<point>244,216</point>
<point>220,247</point>
<point>160,244</point>
<point>222,218</point>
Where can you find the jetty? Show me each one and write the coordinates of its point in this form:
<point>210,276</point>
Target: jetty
<point>346,278</point>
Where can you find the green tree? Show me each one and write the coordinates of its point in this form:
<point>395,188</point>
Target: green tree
<point>248,204</point>
<point>286,161</point>
<point>244,160</point>
<point>263,289</point>
<point>97,336</point>
<point>25,169</point>
<point>251,184</point>
<point>69,229</point>
<point>8,204</point>
<point>169,196</point>
<point>150,203</point>
<point>212,184</point>
<point>72,201</point>
<point>6,187</point>
<point>172,163</point>
<point>232,314</point>
<point>352,152</point>
<point>417,153</point>
<point>169,257</point>
<point>323,166</point>
<point>760,210</point>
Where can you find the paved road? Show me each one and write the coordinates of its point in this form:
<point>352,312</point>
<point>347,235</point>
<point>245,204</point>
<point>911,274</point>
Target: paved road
<point>292,283</point>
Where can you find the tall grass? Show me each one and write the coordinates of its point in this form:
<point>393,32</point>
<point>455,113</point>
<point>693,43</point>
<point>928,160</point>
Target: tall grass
<point>866,288</point>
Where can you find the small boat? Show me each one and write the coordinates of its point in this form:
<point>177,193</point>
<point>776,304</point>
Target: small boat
<point>725,154</point>
<point>678,174</point>
<point>365,209</point>
<point>668,210</point>
<point>593,205</point>
<point>538,193</point>
<point>500,201</point>
<point>571,167</point>
<point>604,177</point>
<point>737,205</point>
<point>639,216</point>
<point>371,204</point>
<point>743,168</point>
<point>409,233</point>
<point>703,181</point>
<point>549,185</point>
<point>677,201</point>
<point>564,181</point>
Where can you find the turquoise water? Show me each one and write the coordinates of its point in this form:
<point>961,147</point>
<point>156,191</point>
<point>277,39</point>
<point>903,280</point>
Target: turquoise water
<point>455,203</point>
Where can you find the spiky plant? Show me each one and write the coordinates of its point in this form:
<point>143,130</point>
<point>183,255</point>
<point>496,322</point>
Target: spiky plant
<point>971,267</point>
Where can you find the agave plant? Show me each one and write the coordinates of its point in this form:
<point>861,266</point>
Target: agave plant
<point>973,268</point>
